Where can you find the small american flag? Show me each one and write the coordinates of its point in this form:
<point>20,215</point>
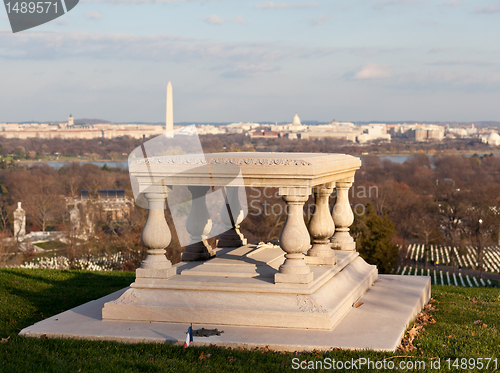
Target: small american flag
<point>189,337</point>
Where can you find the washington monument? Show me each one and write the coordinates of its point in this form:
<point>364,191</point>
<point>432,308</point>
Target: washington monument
<point>169,122</point>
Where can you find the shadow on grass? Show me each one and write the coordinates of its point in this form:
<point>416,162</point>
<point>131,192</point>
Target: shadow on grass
<point>29,295</point>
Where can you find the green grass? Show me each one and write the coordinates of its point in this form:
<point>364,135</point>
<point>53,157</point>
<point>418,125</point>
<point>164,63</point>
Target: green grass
<point>51,245</point>
<point>27,296</point>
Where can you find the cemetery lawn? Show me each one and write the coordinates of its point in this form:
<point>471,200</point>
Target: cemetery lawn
<point>467,326</point>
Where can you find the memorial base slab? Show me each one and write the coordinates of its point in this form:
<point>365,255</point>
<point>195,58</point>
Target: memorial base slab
<point>239,287</point>
<point>378,324</point>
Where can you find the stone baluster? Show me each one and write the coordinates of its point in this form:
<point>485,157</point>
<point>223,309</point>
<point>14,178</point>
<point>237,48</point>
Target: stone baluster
<point>321,228</point>
<point>343,218</point>
<point>232,215</point>
<point>198,225</point>
<point>156,237</point>
<point>294,239</point>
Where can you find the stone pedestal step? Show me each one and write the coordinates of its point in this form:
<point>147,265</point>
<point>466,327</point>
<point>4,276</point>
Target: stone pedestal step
<point>388,307</point>
<point>321,309</point>
<point>252,272</point>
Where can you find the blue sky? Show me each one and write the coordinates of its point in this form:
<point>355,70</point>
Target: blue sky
<point>228,60</point>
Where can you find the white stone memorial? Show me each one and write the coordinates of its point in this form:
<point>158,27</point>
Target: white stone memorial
<point>299,295</point>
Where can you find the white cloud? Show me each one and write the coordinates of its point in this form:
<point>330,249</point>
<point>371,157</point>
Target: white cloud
<point>372,71</point>
<point>239,20</point>
<point>161,47</point>
<point>319,21</point>
<point>214,20</point>
<point>245,70</point>
<point>94,15</point>
<point>55,45</point>
<point>428,22</point>
<point>434,81</point>
<point>60,22</point>
<point>447,80</point>
<point>372,51</point>
<point>273,5</point>
<point>487,10</point>
<point>452,3</point>
<point>460,63</point>
<point>439,50</point>
<point>381,5</point>
<point>145,1</point>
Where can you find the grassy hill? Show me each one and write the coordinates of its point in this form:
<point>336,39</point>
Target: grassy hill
<point>467,326</point>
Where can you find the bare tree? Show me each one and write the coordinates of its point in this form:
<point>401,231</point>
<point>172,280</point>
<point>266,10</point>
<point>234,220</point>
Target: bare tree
<point>482,226</point>
<point>427,227</point>
<point>5,210</point>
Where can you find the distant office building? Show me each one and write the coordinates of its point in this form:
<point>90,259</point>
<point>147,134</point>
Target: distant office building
<point>417,132</point>
<point>458,132</point>
<point>264,135</point>
<point>241,127</point>
<point>108,204</point>
<point>435,133</point>
<point>345,131</point>
<point>338,135</point>
<point>374,131</point>
<point>58,131</point>
<point>208,129</point>
<point>472,130</point>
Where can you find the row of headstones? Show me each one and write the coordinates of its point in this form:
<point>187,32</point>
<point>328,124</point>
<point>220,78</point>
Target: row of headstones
<point>445,278</point>
<point>441,255</point>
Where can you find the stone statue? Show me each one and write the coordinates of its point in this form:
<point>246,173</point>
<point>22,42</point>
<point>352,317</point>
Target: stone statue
<point>19,222</point>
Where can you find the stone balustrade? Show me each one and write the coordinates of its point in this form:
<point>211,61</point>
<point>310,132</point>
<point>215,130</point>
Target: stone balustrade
<point>296,175</point>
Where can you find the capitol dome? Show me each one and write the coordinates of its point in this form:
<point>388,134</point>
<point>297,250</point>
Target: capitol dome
<point>296,121</point>
<point>493,139</point>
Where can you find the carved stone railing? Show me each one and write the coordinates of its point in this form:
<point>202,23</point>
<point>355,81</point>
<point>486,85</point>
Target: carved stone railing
<point>296,175</point>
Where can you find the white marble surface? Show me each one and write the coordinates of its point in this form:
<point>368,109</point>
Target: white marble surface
<point>388,307</point>
<point>293,170</point>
